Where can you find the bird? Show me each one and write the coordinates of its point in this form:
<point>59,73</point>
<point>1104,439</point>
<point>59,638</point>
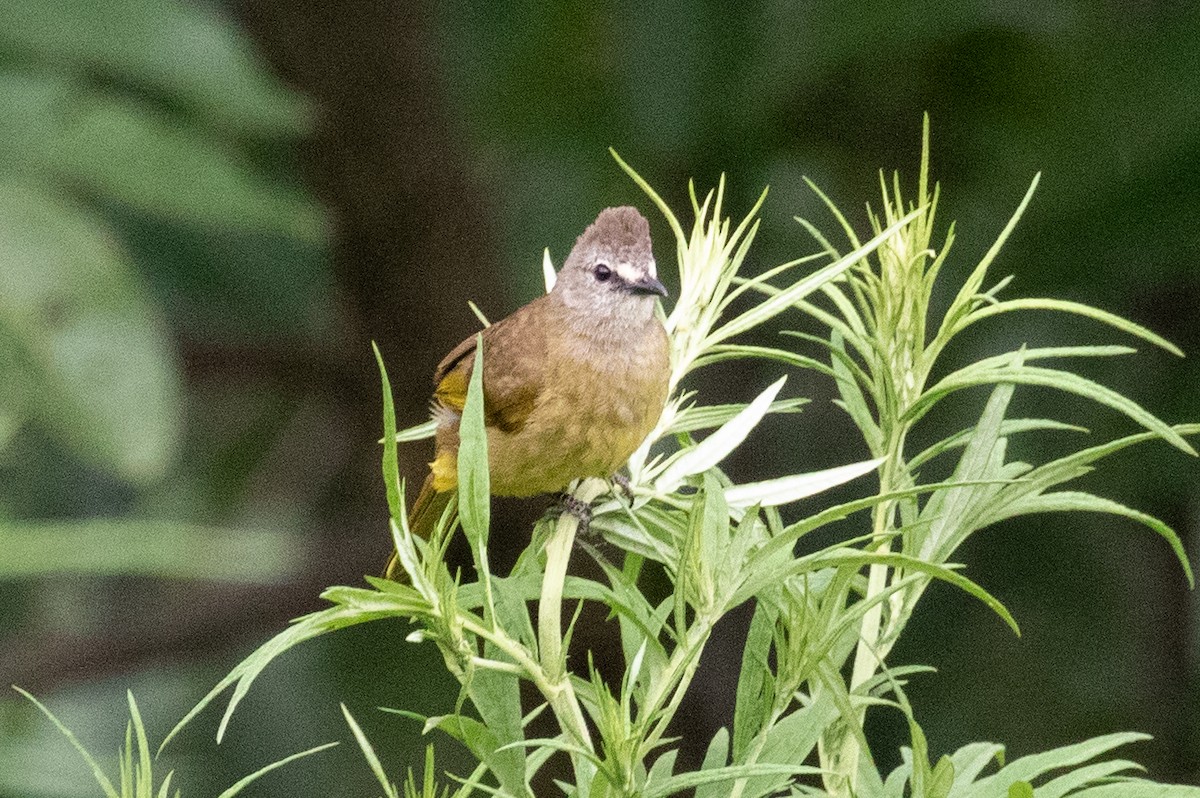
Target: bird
<point>573,382</point>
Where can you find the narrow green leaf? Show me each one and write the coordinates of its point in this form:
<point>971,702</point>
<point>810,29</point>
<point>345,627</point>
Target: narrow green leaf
<point>143,745</point>
<point>696,418</point>
<point>97,773</point>
<point>305,628</point>
<point>967,294</point>
<point>1028,768</point>
<point>497,698</point>
<point>1070,782</point>
<point>680,236</point>
<point>755,693</point>
<point>686,781</point>
<point>1111,319</point>
<point>419,432</point>
<point>662,769</point>
<point>247,780</point>
<point>474,491</point>
<point>1049,378</point>
<point>716,755</point>
<point>970,760</point>
<point>802,288</point>
<point>793,740</point>
<point>950,511</point>
<point>774,492</point>
<point>1008,428</point>
<point>1077,501</point>
<point>369,754</point>
<point>841,557</point>
<point>941,781</point>
<point>391,462</point>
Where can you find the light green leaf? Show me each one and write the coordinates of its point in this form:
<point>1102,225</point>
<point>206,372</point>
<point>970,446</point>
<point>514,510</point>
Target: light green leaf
<point>119,150</point>
<point>497,698</point>
<point>789,296</point>
<point>391,462</point>
<point>686,781</point>
<point>971,760</point>
<point>792,740</point>
<point>774,492</point>
<point>91,356</point>
<point>716,756</point>
<point>941,781</point>
<point>1068,783</point>
<point>720,443</point>
<point>419,432</point>
<point>1008,428</point>
<point>968,294</point>
<point>755,688</point>
<point>474,490</point>
<point>952,511</point>
<point>352,606</point>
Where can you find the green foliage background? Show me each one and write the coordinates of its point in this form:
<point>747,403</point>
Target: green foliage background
<point>193,259</point>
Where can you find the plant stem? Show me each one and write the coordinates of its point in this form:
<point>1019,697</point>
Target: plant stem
<point>868,656</point>
<point>558,690</point>
<point>675,678</point>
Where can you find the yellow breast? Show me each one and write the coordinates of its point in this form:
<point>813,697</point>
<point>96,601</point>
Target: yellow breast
<point>596,408</point>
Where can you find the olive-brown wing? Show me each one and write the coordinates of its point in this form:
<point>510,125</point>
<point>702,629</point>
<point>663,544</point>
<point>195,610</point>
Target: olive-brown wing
<point>513,372</point>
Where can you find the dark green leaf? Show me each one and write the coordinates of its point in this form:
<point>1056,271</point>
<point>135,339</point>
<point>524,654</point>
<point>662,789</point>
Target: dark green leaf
<point>755,695</point>
<point>184,49</point>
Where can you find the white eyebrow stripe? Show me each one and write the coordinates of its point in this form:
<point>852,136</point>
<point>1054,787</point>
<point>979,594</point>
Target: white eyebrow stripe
<point>630,273</point>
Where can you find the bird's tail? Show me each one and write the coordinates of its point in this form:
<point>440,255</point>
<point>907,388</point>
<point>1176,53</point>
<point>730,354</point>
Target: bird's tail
<point>422,518</point>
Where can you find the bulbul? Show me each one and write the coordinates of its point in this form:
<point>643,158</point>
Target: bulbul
<point>573,382</point>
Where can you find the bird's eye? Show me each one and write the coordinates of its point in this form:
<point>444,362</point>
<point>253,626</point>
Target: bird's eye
<point>602,272</point>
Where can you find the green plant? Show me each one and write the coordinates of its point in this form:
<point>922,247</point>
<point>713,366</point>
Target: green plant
<point>122,118</point>
<point>825,619</point>
<point>136,765</point>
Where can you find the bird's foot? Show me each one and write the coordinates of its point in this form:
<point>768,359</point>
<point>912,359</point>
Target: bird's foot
<point>580,510</point>
<point>620,481</point>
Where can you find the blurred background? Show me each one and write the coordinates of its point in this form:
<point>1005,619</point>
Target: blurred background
<point>208,210</point>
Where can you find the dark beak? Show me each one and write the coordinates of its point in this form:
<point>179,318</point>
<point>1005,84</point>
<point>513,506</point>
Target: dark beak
<point>648,285</point>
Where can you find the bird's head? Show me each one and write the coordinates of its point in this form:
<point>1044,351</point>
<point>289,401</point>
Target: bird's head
<point>610,273</point>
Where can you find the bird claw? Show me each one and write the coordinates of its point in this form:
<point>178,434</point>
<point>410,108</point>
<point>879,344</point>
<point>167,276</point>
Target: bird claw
<point>580,510</point>
<point>622,482</point>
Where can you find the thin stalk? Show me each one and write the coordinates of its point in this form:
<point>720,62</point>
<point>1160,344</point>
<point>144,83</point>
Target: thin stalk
<point>868,656</point>
<point>676,678</point>
<point>558,691</point>
<point>756,749</point>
